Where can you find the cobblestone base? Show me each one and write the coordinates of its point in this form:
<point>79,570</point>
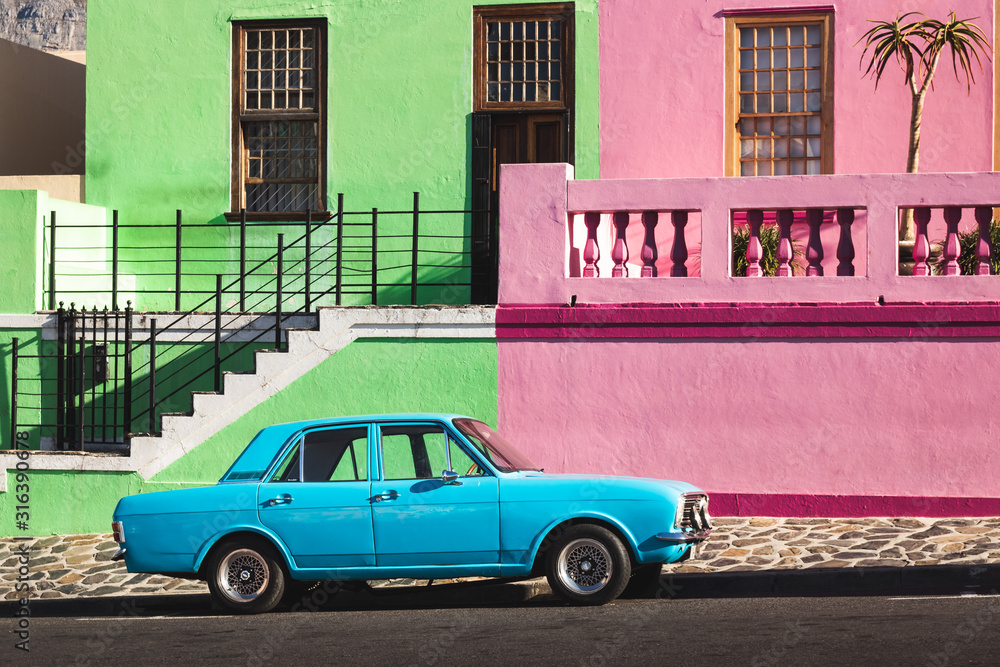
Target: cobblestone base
<point>739,544</point>
<point>80,565</point>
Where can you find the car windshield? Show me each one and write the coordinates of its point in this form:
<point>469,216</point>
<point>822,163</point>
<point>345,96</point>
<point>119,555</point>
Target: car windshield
<point>504,456</point>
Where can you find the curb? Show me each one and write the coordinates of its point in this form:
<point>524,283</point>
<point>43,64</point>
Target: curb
<point>488,592</point>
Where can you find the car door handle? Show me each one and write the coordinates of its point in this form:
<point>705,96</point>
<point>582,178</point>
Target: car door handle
<point>282,499</point>
<point>388,495</point>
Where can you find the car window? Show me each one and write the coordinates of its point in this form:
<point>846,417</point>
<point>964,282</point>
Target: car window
<point>414,451</point>
<point>461,462</point>
<point>327,455</point>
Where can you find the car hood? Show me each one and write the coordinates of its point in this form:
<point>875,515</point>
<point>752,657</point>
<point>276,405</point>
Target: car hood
<point>614,484</point>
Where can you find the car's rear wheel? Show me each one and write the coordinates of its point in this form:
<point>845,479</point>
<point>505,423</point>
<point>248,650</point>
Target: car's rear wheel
<point>588,565</point>
<point>246,576</point>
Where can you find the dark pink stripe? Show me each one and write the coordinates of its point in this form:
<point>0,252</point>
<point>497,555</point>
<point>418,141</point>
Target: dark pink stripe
<point>752,320</point>
<point>803,505</point>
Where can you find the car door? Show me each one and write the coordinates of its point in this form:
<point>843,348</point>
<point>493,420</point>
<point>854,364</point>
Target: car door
<point>419,519</point>
<point>318,499</point>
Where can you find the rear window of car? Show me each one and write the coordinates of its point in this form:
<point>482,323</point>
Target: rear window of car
<point>252,463</point>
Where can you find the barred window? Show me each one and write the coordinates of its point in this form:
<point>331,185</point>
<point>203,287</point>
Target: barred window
<point>278,125</point>
<point>522,56</point>
<point>782,96</point>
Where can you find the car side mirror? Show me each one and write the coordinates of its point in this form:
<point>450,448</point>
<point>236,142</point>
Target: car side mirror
<point>450,477</point>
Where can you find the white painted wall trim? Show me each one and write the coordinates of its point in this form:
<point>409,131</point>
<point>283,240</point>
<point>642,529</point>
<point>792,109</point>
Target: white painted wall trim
<point>338,327</point>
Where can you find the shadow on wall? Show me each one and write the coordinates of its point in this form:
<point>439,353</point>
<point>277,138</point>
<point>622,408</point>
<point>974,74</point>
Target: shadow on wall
<point>43,111</point>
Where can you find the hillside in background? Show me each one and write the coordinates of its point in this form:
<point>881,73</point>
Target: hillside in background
<point>48,25</point>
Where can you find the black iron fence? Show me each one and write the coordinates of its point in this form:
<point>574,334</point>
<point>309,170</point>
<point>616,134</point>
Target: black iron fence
<point>401,256</point>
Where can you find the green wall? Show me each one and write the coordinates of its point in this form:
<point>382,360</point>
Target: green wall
<point>368,376</point>
<point>20,212</point>
<point>399,104</point>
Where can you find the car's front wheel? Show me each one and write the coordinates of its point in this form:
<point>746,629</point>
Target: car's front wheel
<point>588,565</point>
<point>246,577</point>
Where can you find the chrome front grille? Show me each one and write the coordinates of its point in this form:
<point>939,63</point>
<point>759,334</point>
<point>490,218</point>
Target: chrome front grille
<point>694,516</point>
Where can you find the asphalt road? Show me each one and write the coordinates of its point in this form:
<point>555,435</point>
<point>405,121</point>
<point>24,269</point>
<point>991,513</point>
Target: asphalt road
<point>919,630</point>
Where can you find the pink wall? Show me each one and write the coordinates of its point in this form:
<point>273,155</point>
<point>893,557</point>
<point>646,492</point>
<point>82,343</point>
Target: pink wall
<point>740,416</point>
<point>782,396</point>
<point>661,98</point>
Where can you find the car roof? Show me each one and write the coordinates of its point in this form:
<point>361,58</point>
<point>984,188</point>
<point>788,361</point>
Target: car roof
<point>288,428</point>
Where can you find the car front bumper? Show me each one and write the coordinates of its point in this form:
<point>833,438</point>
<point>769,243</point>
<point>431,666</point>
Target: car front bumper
<point>684,538</point>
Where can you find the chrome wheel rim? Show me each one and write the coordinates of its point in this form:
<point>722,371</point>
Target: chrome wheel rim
<point>243,575</point>
<point>585,566</point>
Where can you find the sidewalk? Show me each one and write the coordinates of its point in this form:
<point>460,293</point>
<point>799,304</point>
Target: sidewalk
<point>79,566</point>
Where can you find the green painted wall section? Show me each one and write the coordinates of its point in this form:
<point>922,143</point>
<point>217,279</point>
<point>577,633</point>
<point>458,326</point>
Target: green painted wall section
<point>399,105</point>
<point>368,376</point>
<point>29,409</point>
<point>20,212</point>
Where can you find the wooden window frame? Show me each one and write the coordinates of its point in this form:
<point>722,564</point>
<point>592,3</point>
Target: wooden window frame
<point>529,12</point>
<point>241,116</point>
<point>732,85</point>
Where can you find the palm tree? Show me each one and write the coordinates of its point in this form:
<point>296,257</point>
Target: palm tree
<point>917,47</point>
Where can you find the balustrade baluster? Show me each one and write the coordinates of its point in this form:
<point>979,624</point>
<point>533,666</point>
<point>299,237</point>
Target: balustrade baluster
<point>679,249</point>
<point>845,248</point>
<point>922,246</point>
<point>649,254</point>
<point>984,215</point>
<point>619,252</point>
<point>952,216</point>
<point>785,218</point>
<point>591,251</point>
<point>814,248</point>
<point>755,251</point>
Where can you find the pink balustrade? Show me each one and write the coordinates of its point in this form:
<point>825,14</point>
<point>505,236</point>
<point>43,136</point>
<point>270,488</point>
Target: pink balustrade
<point>670,240</point>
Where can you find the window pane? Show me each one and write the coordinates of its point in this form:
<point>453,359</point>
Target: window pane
<point>812,101</point>
<point>780,58</point>
<point>763,81</point>
<point>780,103</point>
<point>526,52</point>
<point>796,80</point>
<point>335,455</point>
<point>795,102</point>
<point>812,57</point>
<point>795,35</point>
<point>797,146</point>
<point>763,58</point>
<point>413,452</point>
<point>797,56</point>
<point>812,147</point>
<point>763,37</point>
<point>812,80</point>
<point>764,127</point>
<point>746,59</point>
<point>747,127</point>
<point>781,80</point>
<point>798,125</point>
<point>796,167</point>
<point>812,166</point>
<point>746,148</point>
<point>812,35</point>
<point>763,103</point>
<point>781,148</point>
<point>746,169</point>
<point>780,36</point>
<point>781,127</point>
<point>746,103</point>
<point>780,168</point>
<point>763,148</point>
<point>814,124</point>
<point>746,81</point>
<point>746,36</point>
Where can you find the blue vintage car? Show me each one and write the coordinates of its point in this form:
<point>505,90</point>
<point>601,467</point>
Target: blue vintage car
<point>414,495</point>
